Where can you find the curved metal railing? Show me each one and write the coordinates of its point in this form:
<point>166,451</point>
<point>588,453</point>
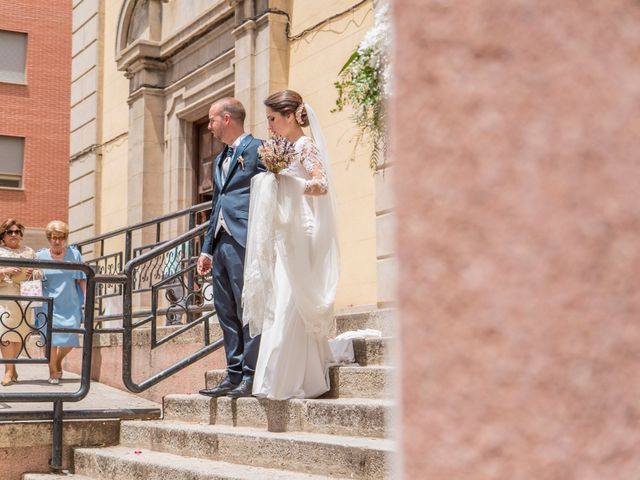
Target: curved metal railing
<point>36,314</point>
<point>108,253</point>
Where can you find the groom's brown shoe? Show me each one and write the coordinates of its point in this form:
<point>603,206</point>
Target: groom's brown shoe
<point>242,390</point>
<point>224,387</point>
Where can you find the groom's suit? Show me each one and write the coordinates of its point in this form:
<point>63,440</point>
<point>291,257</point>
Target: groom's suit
<point>225,241</point>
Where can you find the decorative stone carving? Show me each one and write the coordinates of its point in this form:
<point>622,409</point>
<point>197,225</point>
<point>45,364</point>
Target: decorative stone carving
<point>139,25</point>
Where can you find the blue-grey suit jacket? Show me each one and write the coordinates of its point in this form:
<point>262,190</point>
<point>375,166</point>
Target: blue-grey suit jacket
<point>232,197</point>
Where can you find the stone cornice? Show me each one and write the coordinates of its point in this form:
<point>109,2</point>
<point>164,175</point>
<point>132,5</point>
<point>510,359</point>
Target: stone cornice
<point>258,21</point>
<point>246,26</point>
<point>137,50</point>
<point>161,51</point>
<point>145,63</point>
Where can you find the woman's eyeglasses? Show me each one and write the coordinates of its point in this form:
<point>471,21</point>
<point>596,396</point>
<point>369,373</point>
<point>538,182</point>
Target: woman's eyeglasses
<point>13,232</point>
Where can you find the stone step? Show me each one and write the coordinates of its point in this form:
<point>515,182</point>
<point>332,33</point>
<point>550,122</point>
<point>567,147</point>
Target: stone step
<point>354,417</point>
<point>123,463</point>
<point>382,320</point>
<point>314,453</point>
<point>360,382</point>
<point>372,350</point>
<point>347,381</point>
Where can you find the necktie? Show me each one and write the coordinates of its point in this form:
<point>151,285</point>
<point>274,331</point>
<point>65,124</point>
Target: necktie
<point>226,162</point>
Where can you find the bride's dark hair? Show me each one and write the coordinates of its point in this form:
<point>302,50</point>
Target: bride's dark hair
<point>288,101</point>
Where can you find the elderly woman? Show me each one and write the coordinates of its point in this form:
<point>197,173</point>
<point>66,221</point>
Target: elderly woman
<point>14,329</point>
<point>67,288</point>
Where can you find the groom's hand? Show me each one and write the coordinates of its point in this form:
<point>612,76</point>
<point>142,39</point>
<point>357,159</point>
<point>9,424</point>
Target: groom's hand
<point>204,265</point>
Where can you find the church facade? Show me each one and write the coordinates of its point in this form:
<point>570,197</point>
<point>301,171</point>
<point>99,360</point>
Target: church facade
<point>144,75</point>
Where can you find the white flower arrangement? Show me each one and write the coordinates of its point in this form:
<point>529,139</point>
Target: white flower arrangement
<point>364,83</point>
<point>375,44</point>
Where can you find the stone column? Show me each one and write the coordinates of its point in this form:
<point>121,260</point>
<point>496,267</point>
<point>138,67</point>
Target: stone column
<point>386,259</point>
<point>140,59</point>
<point>262,56</point>
<point>516,134</point>
<point>146,141</point>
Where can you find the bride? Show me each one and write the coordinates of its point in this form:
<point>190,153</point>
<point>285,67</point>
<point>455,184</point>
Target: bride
<point>291,265</point>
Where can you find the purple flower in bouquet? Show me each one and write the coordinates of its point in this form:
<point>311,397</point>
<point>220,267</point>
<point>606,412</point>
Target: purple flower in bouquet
<point>277,153</point>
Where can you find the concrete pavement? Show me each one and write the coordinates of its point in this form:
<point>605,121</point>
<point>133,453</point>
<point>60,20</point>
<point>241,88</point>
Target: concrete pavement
<point>103,400</point>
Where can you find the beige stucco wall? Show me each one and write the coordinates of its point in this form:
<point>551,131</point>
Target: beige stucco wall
<point>175,16</point>
<point>115,125</point>
<point>315,61</point>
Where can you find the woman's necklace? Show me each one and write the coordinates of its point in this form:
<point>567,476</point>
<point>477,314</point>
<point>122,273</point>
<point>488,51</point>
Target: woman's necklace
<point>56,256</point>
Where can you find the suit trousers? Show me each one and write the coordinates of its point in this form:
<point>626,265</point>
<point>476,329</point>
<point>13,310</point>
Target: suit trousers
<point>228,279</point>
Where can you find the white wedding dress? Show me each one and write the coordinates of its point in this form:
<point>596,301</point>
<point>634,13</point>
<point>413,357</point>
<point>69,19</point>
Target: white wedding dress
<point>291,273</point>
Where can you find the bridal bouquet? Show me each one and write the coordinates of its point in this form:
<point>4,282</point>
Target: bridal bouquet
<point>276,154</point>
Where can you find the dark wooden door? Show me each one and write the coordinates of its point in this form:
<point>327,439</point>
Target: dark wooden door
<point>206,148</point>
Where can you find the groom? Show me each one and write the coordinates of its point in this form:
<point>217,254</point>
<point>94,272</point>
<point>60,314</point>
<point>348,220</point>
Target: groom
<point>224,245</point>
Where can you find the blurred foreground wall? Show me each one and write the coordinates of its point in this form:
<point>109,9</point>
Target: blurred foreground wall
<point>517,134</point>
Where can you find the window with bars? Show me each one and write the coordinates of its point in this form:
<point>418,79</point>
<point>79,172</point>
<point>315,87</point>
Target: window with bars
<point>13,57</point>
<point>11,161</point>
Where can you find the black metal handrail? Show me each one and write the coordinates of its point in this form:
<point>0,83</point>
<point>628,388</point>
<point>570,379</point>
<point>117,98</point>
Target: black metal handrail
<point>45,333</point>
<point>138,274</point>
<point>157,222</point>
<point>110,265</point>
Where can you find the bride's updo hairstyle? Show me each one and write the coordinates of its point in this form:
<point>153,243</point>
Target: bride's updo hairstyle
<point>288,101</point>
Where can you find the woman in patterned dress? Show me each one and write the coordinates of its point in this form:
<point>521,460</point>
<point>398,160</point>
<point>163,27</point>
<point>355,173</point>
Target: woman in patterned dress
<point>14,328</point>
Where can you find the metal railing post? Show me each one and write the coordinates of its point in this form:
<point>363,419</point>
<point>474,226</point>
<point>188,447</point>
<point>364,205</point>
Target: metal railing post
<point>127,246</point>
<point>188,254</point>
<point>56,448</point>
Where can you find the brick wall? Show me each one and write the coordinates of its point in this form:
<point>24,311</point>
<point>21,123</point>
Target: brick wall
<point>39,110</point>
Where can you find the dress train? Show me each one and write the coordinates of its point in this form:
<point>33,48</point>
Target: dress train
<point>292,363</point>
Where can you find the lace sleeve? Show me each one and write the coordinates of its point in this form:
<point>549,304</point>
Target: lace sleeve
<point>310,159</point>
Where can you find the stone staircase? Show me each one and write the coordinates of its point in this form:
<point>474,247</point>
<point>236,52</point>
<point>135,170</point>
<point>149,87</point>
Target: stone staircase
<point>344,434</point>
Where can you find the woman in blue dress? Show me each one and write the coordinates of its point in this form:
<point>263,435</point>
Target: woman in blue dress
<point>67,288</point>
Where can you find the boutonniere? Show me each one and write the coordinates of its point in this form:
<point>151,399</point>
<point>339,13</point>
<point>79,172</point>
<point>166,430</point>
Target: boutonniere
<point>241,162</point>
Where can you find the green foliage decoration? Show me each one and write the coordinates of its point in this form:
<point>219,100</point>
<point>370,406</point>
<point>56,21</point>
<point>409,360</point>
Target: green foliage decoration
<point>363,84</point>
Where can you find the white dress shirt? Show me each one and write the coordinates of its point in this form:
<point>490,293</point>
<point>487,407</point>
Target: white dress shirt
<point>225,171</point>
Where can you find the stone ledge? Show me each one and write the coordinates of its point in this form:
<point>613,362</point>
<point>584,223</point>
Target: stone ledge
<point>30,442</point>
<point>142,336</point>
